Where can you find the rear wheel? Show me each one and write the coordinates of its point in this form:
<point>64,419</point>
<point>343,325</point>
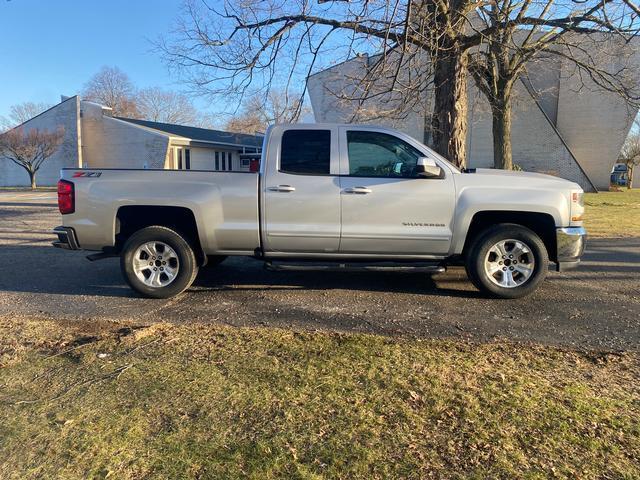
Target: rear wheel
<point>158,262</point>
<point>507,261</point>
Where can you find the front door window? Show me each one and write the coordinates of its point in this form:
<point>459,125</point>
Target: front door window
<point>375,154</point>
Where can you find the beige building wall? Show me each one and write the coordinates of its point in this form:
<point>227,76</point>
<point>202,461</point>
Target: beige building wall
<point>562,123</point>
<point>536,144</point>
<point>594,125</point>
<point>111,143</point>
<point>64,114</point>
<point>329,88</point>
<point>94,139</point>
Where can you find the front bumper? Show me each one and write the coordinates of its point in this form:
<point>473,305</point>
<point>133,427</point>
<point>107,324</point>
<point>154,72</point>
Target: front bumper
<point>66,238</point>
<point>570,243</point>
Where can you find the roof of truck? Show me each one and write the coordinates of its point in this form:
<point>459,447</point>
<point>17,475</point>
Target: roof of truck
<point>200,134</point>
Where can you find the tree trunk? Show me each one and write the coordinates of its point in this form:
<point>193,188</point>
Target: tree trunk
<point>501,114</point>
<point>630,177</point>
<point>32,177</point>
<point>449,120</point>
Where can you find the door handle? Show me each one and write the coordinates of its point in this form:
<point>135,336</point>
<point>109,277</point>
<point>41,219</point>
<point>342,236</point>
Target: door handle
<point>358,190</point>
<point>282,188</point>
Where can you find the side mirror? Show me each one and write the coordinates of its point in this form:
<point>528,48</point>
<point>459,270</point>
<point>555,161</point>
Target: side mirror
<point>428,168</point>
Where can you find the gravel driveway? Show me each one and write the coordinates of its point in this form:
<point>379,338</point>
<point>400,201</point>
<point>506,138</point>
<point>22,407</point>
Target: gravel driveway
<point>597,306</point>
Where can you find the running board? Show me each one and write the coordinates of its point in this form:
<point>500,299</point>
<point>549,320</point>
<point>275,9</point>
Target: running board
<point>412,267</point>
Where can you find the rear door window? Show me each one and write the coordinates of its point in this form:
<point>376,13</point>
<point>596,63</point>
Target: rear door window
<point>306,152</point>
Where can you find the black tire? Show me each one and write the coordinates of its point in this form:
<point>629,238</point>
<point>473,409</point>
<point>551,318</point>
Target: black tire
<point>215,260</point>
<point>187,267</point>
<point>480,249</point>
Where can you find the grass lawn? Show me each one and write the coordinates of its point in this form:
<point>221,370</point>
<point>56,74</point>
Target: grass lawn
<point>613,214</point>
<point>204,401</point>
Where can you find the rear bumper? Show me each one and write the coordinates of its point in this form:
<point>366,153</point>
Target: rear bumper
<point>66,238</point>
<point>570,242</point>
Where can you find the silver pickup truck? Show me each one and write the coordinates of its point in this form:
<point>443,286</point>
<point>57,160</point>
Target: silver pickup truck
<point>327,196</point>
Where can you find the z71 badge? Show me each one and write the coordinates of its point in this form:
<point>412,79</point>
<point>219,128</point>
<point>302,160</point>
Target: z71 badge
<point>86,174</point>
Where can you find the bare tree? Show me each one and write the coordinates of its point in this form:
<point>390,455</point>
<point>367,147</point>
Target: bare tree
<point>507,49</point>
<point>245,122</point>
<point>30,149</point>
<point>113,88</point>
<point>630,154</point>
<point>273,44</point>
<point>165,106</point>
<point>422,46</point>
<point>21,112</point>
<point>261,110</point>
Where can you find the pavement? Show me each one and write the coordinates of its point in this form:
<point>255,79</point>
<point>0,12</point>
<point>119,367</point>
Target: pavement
<point>594,307</point>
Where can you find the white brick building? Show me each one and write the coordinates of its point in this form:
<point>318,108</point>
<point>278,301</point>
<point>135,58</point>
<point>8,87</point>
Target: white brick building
<point>96,139</point>
<point>561,124</point>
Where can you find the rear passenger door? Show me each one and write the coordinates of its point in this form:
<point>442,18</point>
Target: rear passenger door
<point>301,191</point>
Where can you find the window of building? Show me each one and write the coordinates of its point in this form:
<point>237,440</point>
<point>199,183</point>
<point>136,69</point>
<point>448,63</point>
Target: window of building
<point>306,152</point>
<point>223,161</point>
<point>182,158</point>
<point>375,154</point>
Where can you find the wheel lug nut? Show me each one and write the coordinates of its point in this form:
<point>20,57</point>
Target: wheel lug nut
<point>499,263</point>
<point>159,258</point>
<point>510,268</point>
<point>161,269</point>
<point>154,269</point>
<point>503,268</point>
<point>510,256</point>
<point>150,263</point>
<point>164,263</point>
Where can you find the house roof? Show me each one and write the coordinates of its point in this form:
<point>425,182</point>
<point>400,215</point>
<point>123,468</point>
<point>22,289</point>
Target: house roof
<point>201,134</point>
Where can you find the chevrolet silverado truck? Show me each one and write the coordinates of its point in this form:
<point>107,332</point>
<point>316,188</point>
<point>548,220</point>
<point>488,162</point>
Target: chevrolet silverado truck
<point>327,196</point>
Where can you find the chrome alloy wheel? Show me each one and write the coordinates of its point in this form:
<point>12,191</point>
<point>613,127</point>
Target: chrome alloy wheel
<point>156,264</point>
<point>509,263</point>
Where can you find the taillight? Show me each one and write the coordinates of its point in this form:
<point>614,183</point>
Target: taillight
<point>66,198</point>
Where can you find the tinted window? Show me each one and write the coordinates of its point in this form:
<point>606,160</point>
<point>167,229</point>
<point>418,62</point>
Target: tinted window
<point>373,154</point>
<point>306,151</point>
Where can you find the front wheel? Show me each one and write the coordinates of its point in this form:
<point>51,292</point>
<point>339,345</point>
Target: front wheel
<point>507,261</point>
<point>158,262</point>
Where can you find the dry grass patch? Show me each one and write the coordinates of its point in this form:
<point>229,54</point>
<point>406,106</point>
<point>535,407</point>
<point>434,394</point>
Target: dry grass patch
<point>204,401</point>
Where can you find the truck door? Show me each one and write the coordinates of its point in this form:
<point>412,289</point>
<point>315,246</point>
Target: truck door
<point>301,190</point>
<point>386,207</point>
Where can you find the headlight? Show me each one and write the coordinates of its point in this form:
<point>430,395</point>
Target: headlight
<point>577,206</point>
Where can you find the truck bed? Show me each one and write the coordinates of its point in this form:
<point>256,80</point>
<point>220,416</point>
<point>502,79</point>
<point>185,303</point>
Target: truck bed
<point>224,204</point>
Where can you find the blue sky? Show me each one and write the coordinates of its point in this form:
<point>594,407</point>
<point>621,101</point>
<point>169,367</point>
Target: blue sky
<point>51,47</point>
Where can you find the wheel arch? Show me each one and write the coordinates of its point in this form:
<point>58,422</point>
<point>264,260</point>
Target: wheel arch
<point>131,218</point>
<point>542,224</point>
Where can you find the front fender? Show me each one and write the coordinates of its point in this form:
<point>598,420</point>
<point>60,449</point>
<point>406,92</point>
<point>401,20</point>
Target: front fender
<point>473,200</point>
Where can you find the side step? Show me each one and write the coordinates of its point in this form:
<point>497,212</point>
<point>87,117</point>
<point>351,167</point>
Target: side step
<point>412,267</point>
